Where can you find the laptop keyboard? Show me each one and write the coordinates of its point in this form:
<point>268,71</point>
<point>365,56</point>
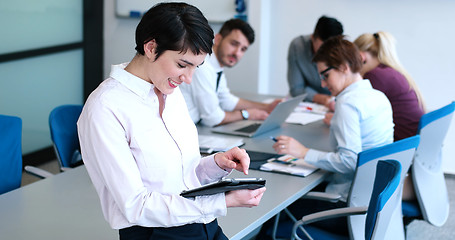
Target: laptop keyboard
<point>249,129</point>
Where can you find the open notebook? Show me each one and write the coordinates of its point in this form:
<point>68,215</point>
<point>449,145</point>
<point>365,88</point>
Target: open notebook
<point>289,165</point>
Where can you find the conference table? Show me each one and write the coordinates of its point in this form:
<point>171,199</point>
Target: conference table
<point>66,206</point>
<point>282,189</point>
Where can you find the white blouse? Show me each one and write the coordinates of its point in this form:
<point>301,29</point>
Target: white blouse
<point>139,162</point>
<point>362,120</point>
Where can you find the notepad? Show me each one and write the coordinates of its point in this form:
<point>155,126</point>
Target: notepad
<point>289,165</point>
<point>211,143</point>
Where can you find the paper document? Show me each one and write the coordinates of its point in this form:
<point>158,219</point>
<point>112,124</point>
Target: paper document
<point>211,143</point>
<point>307,112</point>
<point>312,108</point>
<point>303,118</point>
<point>290,165</point>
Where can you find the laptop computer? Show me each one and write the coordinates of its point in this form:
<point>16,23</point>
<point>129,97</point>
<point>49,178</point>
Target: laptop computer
<point>252,128</point>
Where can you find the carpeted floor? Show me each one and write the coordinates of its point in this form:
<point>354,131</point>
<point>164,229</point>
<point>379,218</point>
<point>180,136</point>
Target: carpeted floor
<point>420,230</point>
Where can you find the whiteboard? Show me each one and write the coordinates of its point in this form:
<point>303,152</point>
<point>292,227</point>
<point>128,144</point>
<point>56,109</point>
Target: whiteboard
<point>213,10</point>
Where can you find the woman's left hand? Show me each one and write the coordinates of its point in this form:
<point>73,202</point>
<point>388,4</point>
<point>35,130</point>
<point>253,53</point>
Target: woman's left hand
<point>328,118</point>
<point>234,158</point>
<point>288,145</point>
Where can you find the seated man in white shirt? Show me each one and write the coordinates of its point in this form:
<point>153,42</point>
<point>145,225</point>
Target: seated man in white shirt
<point>208,98</point>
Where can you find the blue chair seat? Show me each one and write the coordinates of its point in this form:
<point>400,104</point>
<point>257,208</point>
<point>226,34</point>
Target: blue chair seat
<point>411,209</point>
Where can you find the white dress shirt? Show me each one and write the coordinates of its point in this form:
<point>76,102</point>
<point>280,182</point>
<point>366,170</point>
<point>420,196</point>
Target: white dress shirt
<point>362,120</point>
<point>139,162</point>
<point>205,102</point>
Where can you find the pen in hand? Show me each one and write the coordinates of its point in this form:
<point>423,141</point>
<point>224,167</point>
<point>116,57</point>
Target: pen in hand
<point>273,138</point>
<point>276,160</point>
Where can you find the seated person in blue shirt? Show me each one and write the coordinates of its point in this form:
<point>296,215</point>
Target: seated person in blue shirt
<point>208,98</point>
<point>362,120</point>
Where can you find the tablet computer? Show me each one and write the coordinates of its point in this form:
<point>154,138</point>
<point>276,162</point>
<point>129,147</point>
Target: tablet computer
<point>225,185</point>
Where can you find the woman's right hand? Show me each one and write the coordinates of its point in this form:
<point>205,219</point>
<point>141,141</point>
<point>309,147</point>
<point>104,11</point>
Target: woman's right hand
<point>244,197</point>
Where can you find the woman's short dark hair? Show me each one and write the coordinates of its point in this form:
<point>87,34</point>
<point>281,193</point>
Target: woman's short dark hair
<point>239,24</point>
<point>337,51</point>
<point>176,27</point>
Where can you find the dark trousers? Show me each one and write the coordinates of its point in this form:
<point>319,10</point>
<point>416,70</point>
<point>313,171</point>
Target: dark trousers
<point>194,231</point>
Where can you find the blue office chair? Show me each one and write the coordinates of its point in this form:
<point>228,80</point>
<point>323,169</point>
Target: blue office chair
<point>362,187</point>
<point>402,151</point>
<point>63,128</point>
<point>428,178</point>
<point>10,153</point>
<point>385,201</point>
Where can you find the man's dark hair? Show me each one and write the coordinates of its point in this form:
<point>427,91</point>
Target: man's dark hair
<point>176,27</point>
<point>337,51</point>
<point>327,27</point>
<point>239,24</point>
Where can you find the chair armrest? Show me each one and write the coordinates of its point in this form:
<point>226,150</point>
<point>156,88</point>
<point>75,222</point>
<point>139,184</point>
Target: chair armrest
<point>38,172</point>
<point>323,196</point>
<point>333,213</point>
<point>63,169</point>
<point>319,216</point>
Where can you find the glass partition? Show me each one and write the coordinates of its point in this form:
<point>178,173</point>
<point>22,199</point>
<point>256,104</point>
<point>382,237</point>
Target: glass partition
<point>31,24</point>
<point>32,87</point>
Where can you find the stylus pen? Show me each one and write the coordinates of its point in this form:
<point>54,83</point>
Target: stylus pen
<point>273,138</point>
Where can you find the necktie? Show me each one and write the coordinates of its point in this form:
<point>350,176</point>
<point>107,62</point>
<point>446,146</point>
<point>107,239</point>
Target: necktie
<point>218,79</point>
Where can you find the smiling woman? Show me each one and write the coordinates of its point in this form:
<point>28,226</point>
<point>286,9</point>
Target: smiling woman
<point>166,72</point>
<point>139,144</point>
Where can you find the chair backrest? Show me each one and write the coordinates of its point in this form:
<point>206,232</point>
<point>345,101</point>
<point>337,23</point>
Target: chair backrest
<point>10,153</point>
<point>385,199</point>
<point>362,185</point>
<point>63,128</point>
<point>427,174</point>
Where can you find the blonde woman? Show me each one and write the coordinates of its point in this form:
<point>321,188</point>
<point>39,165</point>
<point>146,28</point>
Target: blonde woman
<point>385,72</point>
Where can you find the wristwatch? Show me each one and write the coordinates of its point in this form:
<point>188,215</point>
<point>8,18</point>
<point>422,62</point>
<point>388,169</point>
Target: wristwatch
<point>245,114</point>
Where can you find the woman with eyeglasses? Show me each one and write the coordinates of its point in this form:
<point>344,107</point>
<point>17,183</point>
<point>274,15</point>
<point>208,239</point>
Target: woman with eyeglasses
<point>362,120</point>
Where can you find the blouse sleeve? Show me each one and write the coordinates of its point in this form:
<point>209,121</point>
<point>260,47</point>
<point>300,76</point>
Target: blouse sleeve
<point>117,179</point>
<point>346,130</point>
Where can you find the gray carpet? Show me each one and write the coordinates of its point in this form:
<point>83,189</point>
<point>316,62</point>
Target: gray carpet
<point>419,229</point>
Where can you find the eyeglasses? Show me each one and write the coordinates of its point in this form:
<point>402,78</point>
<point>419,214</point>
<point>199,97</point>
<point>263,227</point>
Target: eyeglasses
<point>323,74</point>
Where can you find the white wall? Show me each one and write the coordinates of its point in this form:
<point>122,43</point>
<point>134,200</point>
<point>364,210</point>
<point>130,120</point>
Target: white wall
<point>424,31</point>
